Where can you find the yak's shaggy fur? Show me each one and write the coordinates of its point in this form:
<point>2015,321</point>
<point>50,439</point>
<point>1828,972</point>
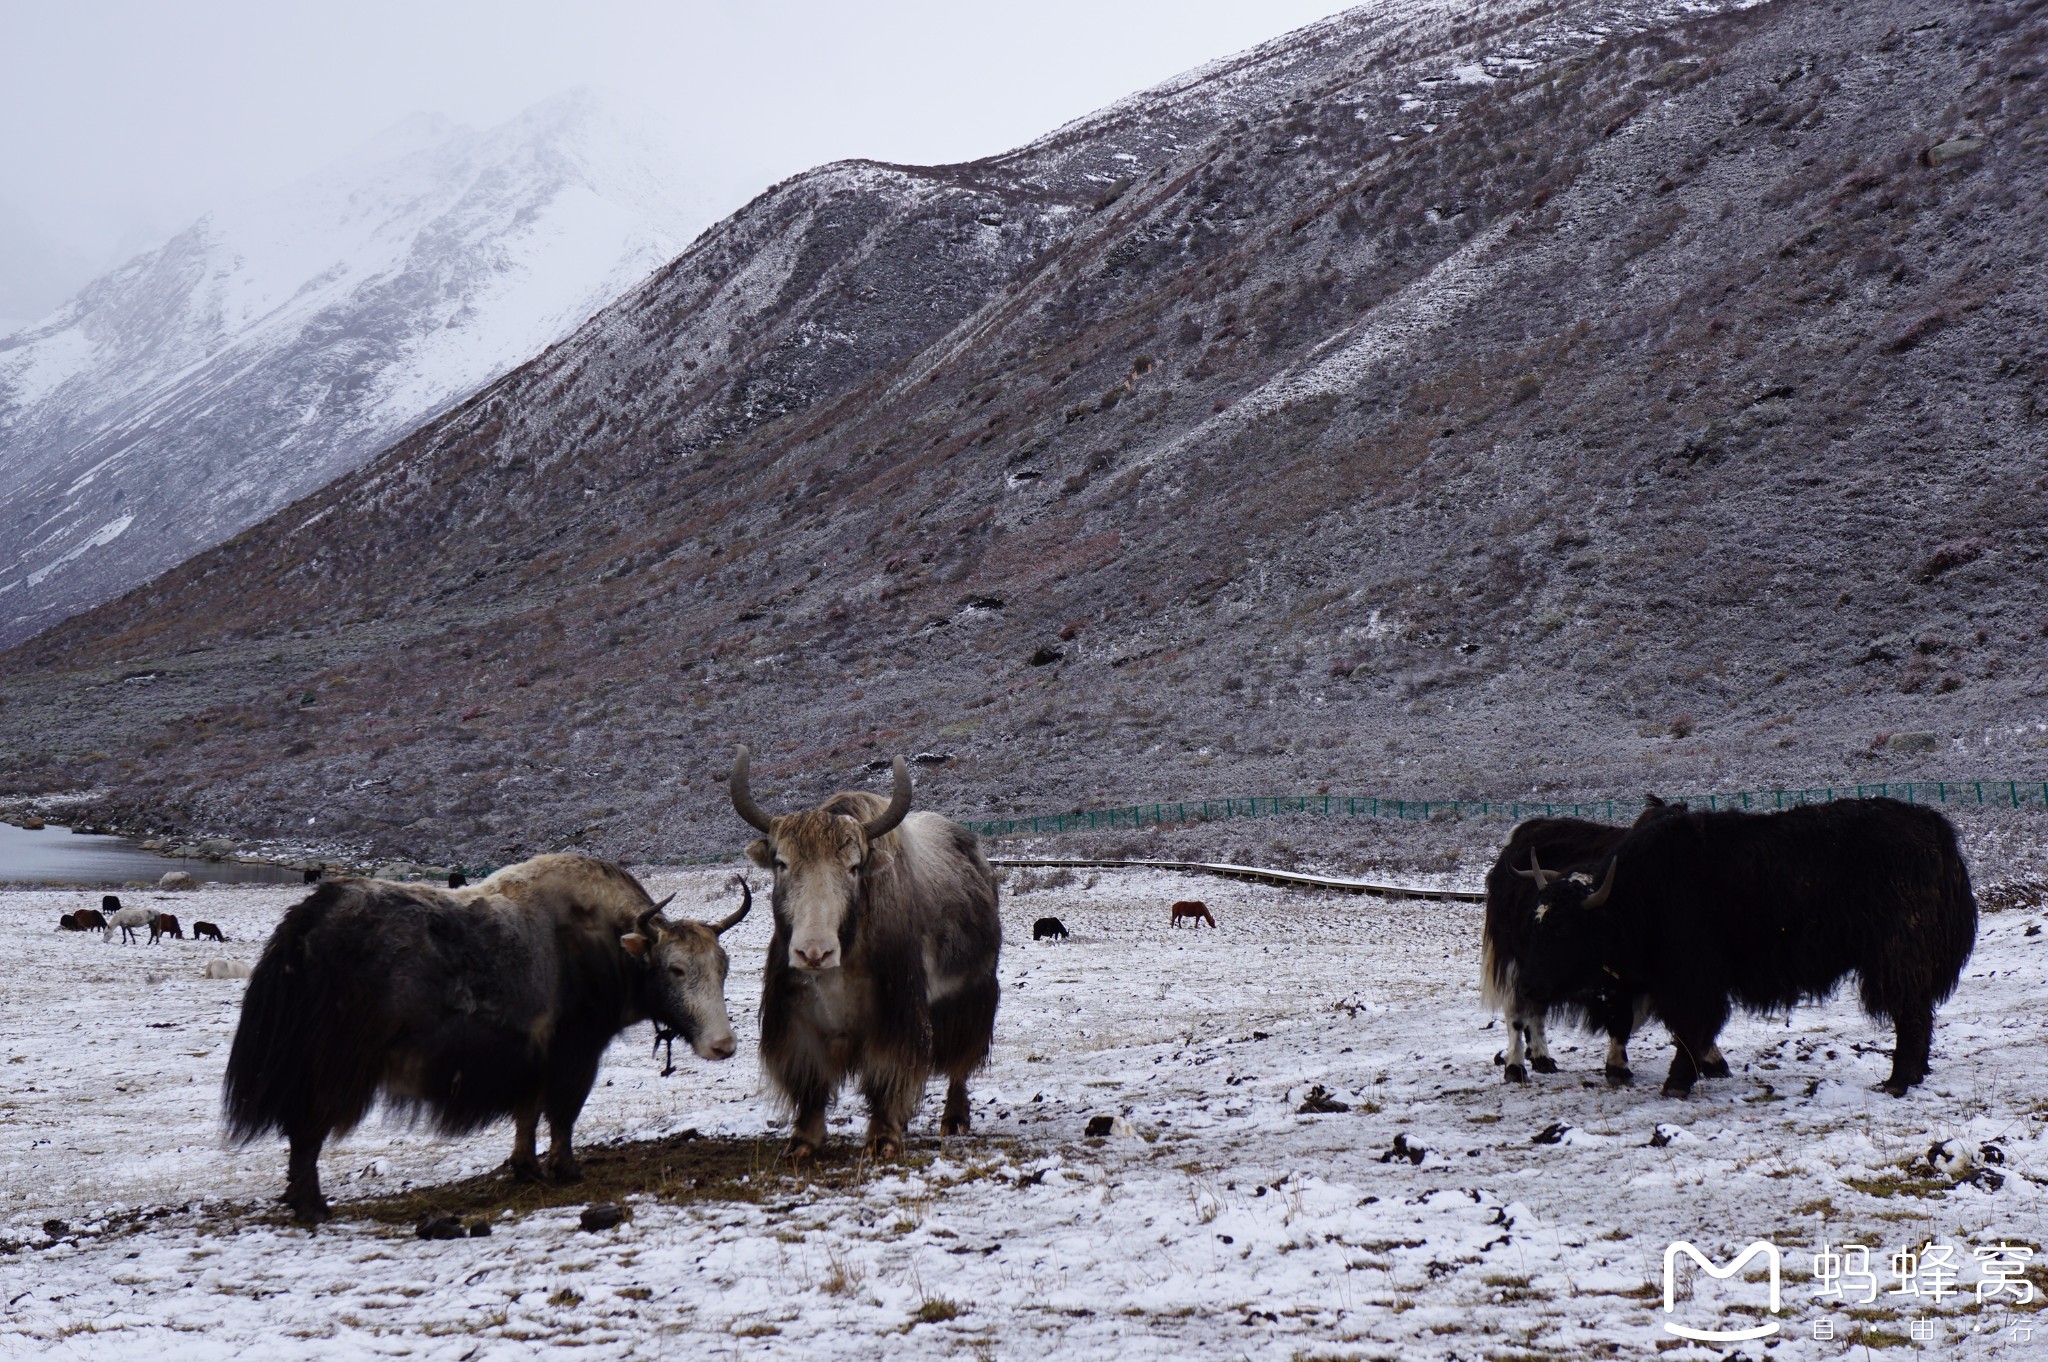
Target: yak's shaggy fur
<point>1704,912</point>
<point>460,1006</point>
<point>914,988</point>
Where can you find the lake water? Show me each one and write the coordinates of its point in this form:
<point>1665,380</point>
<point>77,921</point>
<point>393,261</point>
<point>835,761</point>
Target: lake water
<point>55,855</point>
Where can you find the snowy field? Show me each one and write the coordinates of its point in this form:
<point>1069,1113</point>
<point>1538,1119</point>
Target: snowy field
<point>1444,1215</point>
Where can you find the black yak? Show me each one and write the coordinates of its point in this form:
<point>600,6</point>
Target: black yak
<point>1048,928</point>
<point>463,1005</point>
<point>1537,852</point>
<point>883,962</point>
<point>1704,912</point>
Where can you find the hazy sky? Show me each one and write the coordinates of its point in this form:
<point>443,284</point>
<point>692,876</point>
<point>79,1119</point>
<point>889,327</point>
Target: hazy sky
<point>120,118</point>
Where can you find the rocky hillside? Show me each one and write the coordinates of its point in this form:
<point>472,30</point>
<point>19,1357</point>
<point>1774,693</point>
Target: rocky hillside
<point>276,344</point>
<point>1569,398</point>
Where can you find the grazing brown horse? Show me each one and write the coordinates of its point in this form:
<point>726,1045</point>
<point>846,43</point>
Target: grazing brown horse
<point>201,931</point>
<point>162,925</point>
<point>1192,908</point>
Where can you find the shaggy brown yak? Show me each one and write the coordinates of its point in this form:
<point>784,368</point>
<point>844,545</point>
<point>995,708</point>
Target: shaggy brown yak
<point>883,963</point>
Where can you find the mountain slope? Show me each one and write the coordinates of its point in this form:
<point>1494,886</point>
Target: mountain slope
<point>269,348</point>
<point>1571,399</point>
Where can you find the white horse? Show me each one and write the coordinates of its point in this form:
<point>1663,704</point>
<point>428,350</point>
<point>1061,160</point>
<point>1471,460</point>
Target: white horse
<point>128,919</point>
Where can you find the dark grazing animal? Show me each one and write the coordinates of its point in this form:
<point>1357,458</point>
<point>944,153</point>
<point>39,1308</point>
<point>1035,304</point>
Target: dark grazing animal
<point>313,875</point>
<point>162,925</point>
<point>1048,927</point>
<point>1705,912</point>
<point>202,931</point>
<point>882,966</point>
<point>110,904</point>
<point>69,923</point>
<point>457,880</point>
<point>1554,847</point>
<point>1193,909</point>
<point>88,920</point>
<point>464,1006</point>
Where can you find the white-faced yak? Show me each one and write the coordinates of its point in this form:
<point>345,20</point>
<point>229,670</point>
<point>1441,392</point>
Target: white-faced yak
<point>464,1006</point>
<point>883,963</point>
<point>1539,851</point>
<point>1705,912</point>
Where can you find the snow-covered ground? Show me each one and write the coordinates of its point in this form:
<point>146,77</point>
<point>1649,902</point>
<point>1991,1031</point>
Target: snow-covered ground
<point>1521,1222</point>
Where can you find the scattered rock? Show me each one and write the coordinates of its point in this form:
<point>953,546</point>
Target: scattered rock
<point>1913,742</point>
<point>479,1229</point>
<point>1941,153</point>
<point>1319,1102</point>
<point>56,1228</point>
<point>1414,1153</point>
<point>214,848</point>
<point>177,879</point>
<point>604,1215</point>
<point>442,1226</point>
<point>1045,656</point>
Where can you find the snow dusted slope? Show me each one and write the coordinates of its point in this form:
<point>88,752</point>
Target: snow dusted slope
<point>270,347</point>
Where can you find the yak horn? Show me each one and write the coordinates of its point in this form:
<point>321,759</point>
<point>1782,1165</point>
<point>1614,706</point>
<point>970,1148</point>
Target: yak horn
<point>899,805</point>
<point>727,923</point>
<point>645,923</point>
<point>1536,871</point>
<point>742,798</point>
<point>1599,896</point>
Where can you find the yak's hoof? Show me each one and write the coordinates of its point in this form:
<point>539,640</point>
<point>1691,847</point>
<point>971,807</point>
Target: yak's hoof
<point>801,1151</point>
<point>884,1147</point>
<point>1543,1064</point>
<point>1715,1068</point>
<point>526,1170</point>
<point>310,1210</point>
<point>1618,1077</point>
<point>1515,1073</point>
<point>1673,1088</point>
<point>1896,1086</point>
<point>565,1172</point>
<point>954,1125</point>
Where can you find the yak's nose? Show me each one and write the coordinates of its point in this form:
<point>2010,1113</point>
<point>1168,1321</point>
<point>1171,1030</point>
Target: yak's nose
<point>722,1048</point>
<point>816,957</point>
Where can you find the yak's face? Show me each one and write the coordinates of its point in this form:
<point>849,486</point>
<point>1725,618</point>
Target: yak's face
<point>683,988</point>
<point>818,859</point>
<point>1563,954</point>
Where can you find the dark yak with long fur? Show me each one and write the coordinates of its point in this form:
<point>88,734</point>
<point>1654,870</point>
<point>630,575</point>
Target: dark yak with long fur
<point>464,1006</point>
<point>1705,912</point>
<point>1537,852</point>
<point>882,967</point>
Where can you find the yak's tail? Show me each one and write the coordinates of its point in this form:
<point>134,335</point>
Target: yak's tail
<point>1957,916</point>
<point>303,1061</point>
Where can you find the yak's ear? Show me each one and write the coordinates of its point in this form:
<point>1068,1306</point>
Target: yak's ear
<point>635,943</point>
<point>761,854</point>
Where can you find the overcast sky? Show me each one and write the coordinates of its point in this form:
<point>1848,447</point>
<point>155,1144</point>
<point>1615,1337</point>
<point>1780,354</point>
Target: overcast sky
<point>127,118</point>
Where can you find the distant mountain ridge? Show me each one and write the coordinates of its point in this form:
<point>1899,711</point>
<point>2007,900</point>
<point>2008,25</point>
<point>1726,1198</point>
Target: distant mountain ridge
<point>1590,398</point>
<point>272,346</point>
